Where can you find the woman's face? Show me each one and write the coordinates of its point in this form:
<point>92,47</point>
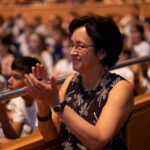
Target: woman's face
<point>136,36</point>
<point>34,42</point>
<point>82,51</point>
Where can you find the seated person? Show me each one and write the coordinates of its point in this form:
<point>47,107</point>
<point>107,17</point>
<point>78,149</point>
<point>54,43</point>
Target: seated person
<point>93,106</point>
<point>6,56</point>
<point>135,42</point>
<point>141,83</point>
<point>125,72</point>
<point>24,109</point>
<point>64,66</point>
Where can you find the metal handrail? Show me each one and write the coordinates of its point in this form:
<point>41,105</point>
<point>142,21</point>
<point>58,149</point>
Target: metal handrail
<point>131,62</point>
<point>22,92</point>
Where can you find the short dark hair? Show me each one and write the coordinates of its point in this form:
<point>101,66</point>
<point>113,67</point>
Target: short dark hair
<point>127,51</point>
<point>139,28</point>
<point>104,33</point>
<point>7,39</point>
<point>24,64</point>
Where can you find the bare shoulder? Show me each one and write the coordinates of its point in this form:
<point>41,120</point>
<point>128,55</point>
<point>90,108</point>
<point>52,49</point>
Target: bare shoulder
<point>123,86</point>
<point>64,87</point>
<point>122,94</point>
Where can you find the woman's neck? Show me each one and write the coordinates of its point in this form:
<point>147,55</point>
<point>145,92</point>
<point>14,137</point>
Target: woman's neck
<point>93,77</point>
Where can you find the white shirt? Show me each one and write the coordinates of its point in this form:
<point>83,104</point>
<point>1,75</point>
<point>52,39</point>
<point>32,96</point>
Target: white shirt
<point>24,48</point>
<point>147,84</point>
<point>64,66</point>
<point>23,113</point>
<point>48,61</point>
<point>142,49</point>
<point>125,72</point>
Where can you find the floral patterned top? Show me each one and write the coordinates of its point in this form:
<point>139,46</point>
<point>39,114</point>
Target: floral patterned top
<point>89,104</point>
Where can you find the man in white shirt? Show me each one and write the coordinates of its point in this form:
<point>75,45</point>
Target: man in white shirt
<point>24,109</point>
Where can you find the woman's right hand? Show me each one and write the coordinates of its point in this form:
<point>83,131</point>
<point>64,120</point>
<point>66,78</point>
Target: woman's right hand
<point>38,87</point>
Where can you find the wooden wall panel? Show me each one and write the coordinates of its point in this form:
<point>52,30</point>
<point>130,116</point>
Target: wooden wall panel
<point>63,9</point>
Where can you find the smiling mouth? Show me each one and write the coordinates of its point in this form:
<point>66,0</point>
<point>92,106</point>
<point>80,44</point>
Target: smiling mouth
<point>10,87</point>
<point>75,59</point>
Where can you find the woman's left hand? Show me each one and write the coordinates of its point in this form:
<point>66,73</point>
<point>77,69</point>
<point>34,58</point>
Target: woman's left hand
<point>41,90</point>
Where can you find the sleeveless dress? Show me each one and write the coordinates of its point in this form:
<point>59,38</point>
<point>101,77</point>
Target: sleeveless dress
<point>89,104</point>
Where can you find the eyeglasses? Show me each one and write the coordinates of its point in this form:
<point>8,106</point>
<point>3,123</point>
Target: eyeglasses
<point>79,47</point>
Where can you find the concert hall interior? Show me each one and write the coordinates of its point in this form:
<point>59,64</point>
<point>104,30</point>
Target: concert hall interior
<point>74,74</point>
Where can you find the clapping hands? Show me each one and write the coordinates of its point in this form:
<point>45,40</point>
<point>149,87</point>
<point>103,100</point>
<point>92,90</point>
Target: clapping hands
<point>38,87</point>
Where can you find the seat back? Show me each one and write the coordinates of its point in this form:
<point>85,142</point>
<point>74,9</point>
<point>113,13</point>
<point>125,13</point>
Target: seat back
<point>138,130</point>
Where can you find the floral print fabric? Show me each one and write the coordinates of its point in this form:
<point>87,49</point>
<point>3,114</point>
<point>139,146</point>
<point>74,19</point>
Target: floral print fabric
<point>89,104</point>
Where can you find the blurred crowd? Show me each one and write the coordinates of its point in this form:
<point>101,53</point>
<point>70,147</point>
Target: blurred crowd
<point>49,43</point>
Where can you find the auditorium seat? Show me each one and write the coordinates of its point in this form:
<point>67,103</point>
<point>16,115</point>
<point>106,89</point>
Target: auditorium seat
<point>32,142</point>
<point>138,131</point>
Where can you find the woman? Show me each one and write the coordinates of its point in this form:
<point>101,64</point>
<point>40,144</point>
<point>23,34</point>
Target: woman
<point>6,56</point>
<point>93,106</point>
<point>37,49</point>
<point>135,41</point>
<point>64,66</point>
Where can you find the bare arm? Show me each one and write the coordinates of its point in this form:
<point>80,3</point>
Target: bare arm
<point>113,116</point>
<point>47,128</point>
<point>11,130</point>
<point>50,129</point>
<point>40,91</point>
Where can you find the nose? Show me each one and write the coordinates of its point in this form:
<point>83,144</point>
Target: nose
<point>10,80</point>
<point>73,51</point>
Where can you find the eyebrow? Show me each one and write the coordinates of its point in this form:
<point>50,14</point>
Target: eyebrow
<point>78,42</point>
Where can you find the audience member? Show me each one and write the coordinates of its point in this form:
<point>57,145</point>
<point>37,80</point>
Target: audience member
<point>64,66</point>
<point>58,34</point>
<point>141,84</point>
<point>37,49</point>
<point>40,28</point>
<point>23,109</point>
<point>23,40</point>
<point>87,106</point>
<point>135,41</point>
<point>6,57</point>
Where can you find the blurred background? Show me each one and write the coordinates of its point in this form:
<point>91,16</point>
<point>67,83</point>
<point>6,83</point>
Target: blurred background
<point>39,28</point>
